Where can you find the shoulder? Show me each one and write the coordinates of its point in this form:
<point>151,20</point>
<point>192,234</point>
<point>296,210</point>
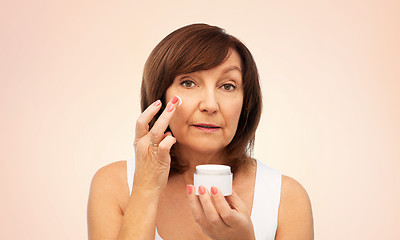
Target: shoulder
<point>111,173</point>
<point>293,190</point>
<point>295,212</point>
<point>104,211</point>
<point>110,180</point>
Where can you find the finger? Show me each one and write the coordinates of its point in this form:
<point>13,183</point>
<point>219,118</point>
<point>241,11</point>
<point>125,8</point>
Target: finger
<point>142,123</point>
<point>228,215</point>
<point>154,146</point>
<point>164,148</point>
<point>236,203</point>
<point>196,208</point>
<point>209,210</point>
<point>159,127</point>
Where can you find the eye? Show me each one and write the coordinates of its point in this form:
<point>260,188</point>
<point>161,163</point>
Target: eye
<point>228,87</point>
<point>188,83</point>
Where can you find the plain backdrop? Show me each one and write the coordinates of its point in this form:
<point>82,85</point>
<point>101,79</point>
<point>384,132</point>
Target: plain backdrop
<point>70,73</point>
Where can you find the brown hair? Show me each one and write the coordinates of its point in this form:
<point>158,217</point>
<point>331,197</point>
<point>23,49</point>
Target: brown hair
<point>201,47</point>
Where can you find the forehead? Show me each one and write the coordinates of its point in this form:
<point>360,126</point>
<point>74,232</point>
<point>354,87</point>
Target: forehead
<point>231,65</point>
<point>233,59</point>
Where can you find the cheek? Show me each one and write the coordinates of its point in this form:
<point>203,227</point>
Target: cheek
<point>179,119</point>
<point>234,112</point>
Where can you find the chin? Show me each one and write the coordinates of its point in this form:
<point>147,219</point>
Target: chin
<point>205,147</point>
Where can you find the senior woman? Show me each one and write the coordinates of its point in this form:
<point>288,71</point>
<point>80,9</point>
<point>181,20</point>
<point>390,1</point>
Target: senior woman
<point>201,104</point>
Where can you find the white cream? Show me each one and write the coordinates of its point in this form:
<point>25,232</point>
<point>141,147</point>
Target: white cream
<point>180,100</point>
<point>209,175</point>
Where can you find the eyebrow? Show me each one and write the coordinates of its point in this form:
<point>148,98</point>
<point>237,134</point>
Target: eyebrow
<point>228,69</point>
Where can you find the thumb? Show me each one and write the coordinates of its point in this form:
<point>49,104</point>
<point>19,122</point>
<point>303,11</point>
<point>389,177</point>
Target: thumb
<point>236,203</point>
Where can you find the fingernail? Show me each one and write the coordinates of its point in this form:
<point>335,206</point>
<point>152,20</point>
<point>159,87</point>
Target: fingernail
<point>202,190</point>
<point>157,103</point>
<point>214,190</point>
<point>170,108</point>
<point>174,99</point>
<point>189,189</point>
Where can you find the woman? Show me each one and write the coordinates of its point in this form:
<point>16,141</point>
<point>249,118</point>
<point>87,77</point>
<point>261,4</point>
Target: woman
<point>201,104</point>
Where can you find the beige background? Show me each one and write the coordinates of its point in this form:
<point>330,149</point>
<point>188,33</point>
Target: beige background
<point>70,73</point>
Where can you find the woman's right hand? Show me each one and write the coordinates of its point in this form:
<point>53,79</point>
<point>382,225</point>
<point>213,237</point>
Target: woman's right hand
<point>152,147</point>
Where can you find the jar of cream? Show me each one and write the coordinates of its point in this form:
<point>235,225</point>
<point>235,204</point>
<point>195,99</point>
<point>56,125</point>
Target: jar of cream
<point>209,175</point>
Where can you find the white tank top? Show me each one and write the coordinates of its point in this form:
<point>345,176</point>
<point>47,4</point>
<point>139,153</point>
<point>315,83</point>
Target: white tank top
<point>267,196</point>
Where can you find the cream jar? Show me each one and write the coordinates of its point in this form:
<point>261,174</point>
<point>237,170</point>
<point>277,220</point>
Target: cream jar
<point>209,175</point>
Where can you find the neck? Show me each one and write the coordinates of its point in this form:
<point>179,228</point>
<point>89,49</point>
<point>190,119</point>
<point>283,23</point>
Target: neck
<point>193,158</point>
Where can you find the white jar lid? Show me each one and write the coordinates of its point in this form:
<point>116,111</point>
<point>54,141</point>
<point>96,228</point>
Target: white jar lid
<point>213,169</point>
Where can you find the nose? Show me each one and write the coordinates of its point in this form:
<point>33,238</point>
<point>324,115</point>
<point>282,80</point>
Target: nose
<point>209,102</point>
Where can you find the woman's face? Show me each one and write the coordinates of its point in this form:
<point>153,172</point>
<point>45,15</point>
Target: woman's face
<point>211,104</point>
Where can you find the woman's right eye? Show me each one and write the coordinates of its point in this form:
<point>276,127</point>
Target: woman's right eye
<point>187,83</point>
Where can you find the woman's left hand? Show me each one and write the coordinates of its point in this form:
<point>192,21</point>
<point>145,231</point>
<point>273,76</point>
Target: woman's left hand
<point>221,217</point>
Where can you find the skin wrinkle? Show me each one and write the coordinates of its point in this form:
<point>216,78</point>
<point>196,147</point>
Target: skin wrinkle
<point>221,107</point>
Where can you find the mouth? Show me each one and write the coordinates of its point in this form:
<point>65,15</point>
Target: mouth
<point>207,127</point>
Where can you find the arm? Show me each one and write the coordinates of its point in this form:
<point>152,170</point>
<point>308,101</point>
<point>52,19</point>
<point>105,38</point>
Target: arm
<point>295,220</point>
<point>104,215</point>
<point>105,218</point>
<point>140,215</point>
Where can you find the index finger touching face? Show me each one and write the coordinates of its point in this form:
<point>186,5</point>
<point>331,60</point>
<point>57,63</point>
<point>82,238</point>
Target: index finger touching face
<point>157,131</point>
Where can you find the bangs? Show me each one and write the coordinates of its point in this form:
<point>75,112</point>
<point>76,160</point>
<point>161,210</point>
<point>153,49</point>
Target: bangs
<point>201,50</point>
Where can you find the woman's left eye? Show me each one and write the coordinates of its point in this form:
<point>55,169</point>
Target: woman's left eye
<point>228,87</point>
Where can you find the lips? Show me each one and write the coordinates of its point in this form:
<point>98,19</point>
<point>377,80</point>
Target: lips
<point>206,127</point>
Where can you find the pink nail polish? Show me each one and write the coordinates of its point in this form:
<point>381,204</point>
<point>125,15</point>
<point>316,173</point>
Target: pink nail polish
<point>214,190</point>
<point>202,190</point>
<point>170,108</point>
<point>189,189</point>
<point>157,103</point>
<point>174,99</point>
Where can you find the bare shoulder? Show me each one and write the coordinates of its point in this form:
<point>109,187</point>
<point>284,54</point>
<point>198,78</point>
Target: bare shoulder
<point>295,220</point>
<point>107,191</point>
<point>115,169</point>
<point>292,190</point>
<point>111,177</point>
